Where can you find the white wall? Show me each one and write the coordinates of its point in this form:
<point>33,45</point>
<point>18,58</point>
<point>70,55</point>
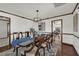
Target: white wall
<point>76,40</point>
<point>67,27</point>
<point>67,23</point>
<point>19,24</point>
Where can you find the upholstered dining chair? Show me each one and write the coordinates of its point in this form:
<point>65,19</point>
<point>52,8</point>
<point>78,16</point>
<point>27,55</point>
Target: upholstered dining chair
<point>41,44</point>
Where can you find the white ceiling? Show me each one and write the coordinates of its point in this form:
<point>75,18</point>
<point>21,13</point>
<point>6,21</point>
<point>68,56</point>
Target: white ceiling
<point>46,10</point>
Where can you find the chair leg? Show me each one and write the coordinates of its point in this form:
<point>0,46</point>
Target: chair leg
<point>17,51</point>
<point>37,52</point>
<point>44,51</point>
<point>24,53</point>
<point>47,48</point>
<point>14,50</point>
<point>49,45</point>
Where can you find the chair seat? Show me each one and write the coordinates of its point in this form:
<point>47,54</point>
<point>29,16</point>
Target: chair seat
<point>43,45</point>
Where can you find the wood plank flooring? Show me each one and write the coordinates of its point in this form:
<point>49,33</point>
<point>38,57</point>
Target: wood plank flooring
<point>67,50</point>
<point>4,48</point>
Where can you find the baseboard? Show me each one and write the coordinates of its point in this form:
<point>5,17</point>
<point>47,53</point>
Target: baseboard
<point>72,46</point>
<point>67,44</point>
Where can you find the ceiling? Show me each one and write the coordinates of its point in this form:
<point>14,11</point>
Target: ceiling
<point>46,10</point>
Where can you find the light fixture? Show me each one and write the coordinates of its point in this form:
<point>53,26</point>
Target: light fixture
<point>37,18</point>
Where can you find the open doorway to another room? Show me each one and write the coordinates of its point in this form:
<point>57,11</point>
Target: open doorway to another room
<point>57,34</point>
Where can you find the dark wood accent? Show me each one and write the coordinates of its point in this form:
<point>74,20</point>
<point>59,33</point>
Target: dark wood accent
<point>75,51</point>
<point>71,34</point>
<point>67,44</point>
<point>70,48</point>
<point>4,48</point>
<point>56,16</point>
<point>75,8</point>
<point>9,32</point>
<point>16,15</point>
<point>67,34</point>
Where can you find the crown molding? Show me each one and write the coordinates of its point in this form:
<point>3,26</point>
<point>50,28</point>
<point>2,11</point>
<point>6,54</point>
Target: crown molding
<point>56,16</point>
<point>62,14</point>
<point>75,8</point>
<point>16,15</point>
<point>40,19</point>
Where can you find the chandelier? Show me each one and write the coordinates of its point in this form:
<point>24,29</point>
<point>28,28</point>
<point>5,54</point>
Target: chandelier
<point>37,17</point>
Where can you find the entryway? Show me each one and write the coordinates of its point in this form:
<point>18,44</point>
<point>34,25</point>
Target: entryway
<point>57,34</point>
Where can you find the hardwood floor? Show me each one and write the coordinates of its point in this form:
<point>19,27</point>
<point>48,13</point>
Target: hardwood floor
<point>4,48</point>
<point>65,49</point>
<point>68,50</point>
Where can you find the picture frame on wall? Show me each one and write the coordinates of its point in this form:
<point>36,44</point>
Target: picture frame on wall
<point>41,26</point>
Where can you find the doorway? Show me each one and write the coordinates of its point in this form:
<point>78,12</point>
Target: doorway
<point>57,29</point>
<point>4,32</point>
